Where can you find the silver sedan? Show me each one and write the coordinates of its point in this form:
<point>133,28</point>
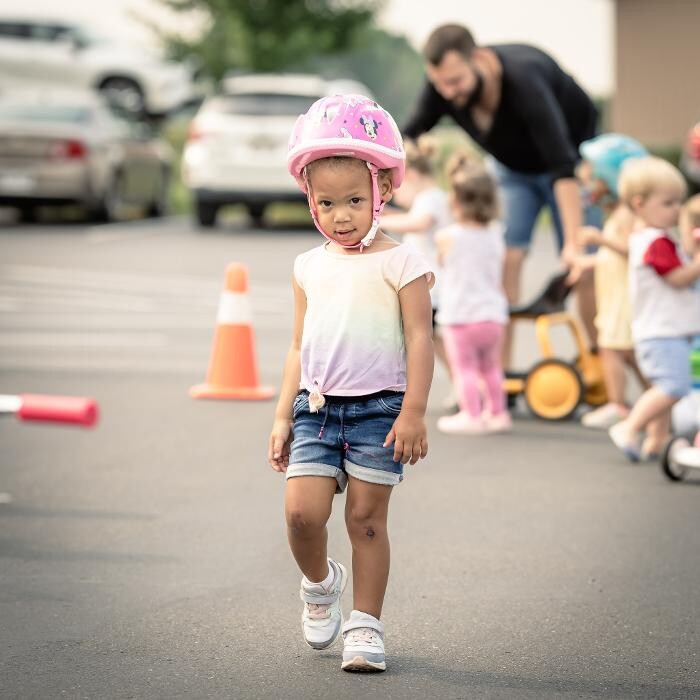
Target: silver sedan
<point>70,148</point>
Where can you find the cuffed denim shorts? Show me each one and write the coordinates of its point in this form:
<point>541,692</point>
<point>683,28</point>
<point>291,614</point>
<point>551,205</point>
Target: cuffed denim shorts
<point>665,362</point>
<point>345,438</point>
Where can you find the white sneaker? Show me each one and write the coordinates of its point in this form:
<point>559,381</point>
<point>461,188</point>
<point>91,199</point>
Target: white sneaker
<point>604,417</point>
<point>363,643</point>
<point>620,437</point>
<point>322,619</point>
<point>500,423</point>
<point>461,424</point>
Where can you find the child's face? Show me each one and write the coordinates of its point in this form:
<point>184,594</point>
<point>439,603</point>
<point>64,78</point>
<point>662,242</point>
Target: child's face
<point>342,194</point>
<point>660,209</point>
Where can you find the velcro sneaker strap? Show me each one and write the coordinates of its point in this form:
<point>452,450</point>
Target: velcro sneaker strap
<point>360,624</point>
<point>318,599</point>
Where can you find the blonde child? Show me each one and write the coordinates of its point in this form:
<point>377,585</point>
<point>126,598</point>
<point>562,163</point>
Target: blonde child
<point>604,158</point>
<point>665,307</point>
<point>689,225</point>
<point>473,307</point>
<point>686,413</point>
<point>429,211</point>
<point>356,380</point>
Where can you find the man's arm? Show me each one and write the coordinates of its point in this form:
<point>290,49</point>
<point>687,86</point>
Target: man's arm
<point>426,114</point>
<point>550,132</point>
<point>568,196</point>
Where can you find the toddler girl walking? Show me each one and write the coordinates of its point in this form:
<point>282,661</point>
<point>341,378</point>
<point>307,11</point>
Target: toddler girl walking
<point>358,371</point>
<point>473,307</point>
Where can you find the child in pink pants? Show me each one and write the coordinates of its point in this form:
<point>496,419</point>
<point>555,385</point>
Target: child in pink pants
<point>473,307</point>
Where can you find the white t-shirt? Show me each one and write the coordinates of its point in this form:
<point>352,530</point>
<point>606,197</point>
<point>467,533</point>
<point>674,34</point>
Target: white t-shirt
<point>433,202</point>
<point>658,309</point>
<point>353,342</point>
<point>471,276</point>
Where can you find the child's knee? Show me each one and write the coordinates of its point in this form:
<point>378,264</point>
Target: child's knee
<point>364,525</point>
<point>304,521</point>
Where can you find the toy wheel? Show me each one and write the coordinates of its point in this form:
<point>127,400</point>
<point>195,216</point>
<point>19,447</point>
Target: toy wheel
<point>669,464</point>
<point>553,390</point>
<point>594,392</point>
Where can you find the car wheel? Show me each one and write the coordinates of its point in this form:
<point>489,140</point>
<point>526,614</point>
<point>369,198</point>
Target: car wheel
<point>159,206</point>
<point>206,214</point>
<point>27,215</point>
<point>256,212</point>
<point>109,207</point>
<point>125,94</point>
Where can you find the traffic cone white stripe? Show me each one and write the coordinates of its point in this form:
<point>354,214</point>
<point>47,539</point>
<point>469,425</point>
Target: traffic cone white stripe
<point>234,308</point>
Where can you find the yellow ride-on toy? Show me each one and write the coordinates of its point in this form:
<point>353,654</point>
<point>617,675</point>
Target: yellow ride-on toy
<point>553,388</point>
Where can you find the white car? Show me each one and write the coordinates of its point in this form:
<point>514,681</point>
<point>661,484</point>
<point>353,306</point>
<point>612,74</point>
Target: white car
<point>236,148</point>
<point>68,55</point>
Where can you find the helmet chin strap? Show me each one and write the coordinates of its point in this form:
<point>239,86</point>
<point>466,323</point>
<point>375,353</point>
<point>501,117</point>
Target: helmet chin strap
<point>377,207</point>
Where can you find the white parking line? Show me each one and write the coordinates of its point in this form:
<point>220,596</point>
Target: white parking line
<point>70,339</point>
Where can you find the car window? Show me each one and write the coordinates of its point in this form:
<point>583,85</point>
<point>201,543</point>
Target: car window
<point>45,113</point>
<point>14,30</point>
<point>261,104</point>
<point>49,32</point>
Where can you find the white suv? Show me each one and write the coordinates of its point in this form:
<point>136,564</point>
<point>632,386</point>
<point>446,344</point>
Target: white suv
<point>236,148</point>
<point>68,55</point>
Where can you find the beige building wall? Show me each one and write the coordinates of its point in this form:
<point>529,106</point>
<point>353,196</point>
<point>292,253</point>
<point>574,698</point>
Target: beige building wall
<point>657,53</point>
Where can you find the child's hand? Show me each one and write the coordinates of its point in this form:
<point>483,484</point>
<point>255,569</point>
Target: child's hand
<point>280,439</point>
<point>409,436</point>
<point>589,235</point>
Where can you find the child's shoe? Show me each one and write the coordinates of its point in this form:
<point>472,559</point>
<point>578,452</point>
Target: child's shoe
<point>461,423</point>
<point>363,643</point>
<point>322,619</point>
<point>620,437</point>
<point>604,417</point>
<point>500,423</point>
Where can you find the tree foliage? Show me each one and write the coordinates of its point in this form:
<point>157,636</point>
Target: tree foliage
<point>386,63</point>
<point>267,35</point>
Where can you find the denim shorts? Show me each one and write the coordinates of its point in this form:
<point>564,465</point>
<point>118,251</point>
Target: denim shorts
<point>524,195</point>
<point>665,362</point>
<point>345,438</point>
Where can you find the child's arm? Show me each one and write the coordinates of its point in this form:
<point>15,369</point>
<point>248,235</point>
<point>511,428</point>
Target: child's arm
<point>280,436</point>
<point>408,433</point>
<point>443,244</point>
<point>685,275</point>
<point>406,223</point>
<point>590,235</point>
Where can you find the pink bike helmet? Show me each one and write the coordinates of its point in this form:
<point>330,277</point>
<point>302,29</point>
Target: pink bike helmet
<point>347,125</point>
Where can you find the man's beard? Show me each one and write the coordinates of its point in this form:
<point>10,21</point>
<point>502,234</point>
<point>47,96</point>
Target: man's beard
<point>471,100</point>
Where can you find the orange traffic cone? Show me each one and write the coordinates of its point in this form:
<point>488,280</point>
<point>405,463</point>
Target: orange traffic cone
<point>233,372</point>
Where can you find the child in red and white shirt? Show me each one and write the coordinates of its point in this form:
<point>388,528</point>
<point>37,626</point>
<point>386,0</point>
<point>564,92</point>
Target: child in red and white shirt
<point>665,306</point>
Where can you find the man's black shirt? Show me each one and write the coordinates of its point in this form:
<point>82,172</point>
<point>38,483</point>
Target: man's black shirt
<point>542,117</point>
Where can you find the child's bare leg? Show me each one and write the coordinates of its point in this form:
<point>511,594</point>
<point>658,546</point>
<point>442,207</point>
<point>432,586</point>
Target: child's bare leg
<point>631,362</point>
<point>585,301</point>
<point>651,405</point>
<point>366,511</point>
<point>613,362</point>
<point>308,502</point>
<point>658,430</point>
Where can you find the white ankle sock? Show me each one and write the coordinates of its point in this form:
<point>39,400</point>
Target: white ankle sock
<point>326,581</point>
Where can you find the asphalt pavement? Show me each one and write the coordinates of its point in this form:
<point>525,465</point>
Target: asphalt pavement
<point>147,558</point>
